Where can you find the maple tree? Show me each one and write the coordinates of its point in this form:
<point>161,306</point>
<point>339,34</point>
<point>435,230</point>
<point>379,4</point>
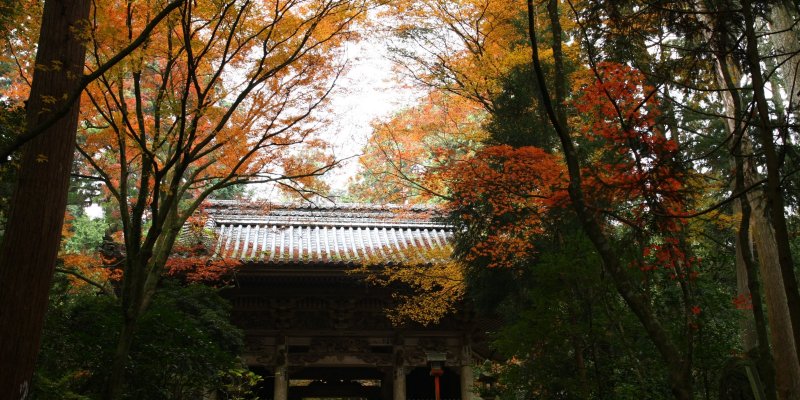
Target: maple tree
<point>510,190</point>
<point>461,47</point>
<point>464,54</point>
<point>406,153</point>
<point>19,66</point>
<point>696,120</point>
<point>509,195</point>
<point>192,259</point>
<point>20,49</point>
<point>678,363</point>
<point>509,180</point>
<point>220,94</point>
<point>747,114</point>
<point>578,194</point>
<point>426,286</point>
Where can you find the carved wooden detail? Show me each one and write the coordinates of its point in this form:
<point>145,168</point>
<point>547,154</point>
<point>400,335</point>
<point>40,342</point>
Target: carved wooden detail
<point>338,326</point>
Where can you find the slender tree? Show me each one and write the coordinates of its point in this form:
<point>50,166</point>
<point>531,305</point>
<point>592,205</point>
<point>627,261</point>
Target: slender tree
<point>678,362</point>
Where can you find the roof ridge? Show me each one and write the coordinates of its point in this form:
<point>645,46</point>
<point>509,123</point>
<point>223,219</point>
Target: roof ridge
<point>318,206</point>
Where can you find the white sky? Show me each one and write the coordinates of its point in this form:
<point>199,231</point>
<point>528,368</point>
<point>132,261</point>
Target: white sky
<point>368,91</point>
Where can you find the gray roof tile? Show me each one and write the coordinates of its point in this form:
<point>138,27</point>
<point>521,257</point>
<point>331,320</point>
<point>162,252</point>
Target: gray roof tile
<point>281,233</point>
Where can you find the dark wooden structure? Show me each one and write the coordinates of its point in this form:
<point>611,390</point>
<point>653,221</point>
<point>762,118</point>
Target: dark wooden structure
<point>315,330</point>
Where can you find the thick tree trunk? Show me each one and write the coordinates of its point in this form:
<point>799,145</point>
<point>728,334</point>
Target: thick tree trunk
<point>754,332</point>
<point>725,75</point>
<point>785,36</point>
<point>29,249</point>
<point>773,207</point>
<point>787,367</point>
<point>778,374</point>
<point>786,373</point>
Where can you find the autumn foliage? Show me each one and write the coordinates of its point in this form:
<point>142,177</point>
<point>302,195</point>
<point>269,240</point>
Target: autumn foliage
<point>406,156</point>
<point>461,47</point>
<point>634,175</point>
<point>192,259</point>
<point>511,190</point>
<point>426,286</point>
<point>195,265</point>
<point>633,163</point>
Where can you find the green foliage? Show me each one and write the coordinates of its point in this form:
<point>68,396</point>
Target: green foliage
<point>232,192</point>
<point>518,119</point>
<point>239,384</point>
<point>567,334</point>
<point>185,346</point>
<point>87,233</point>
<point>77,340</point>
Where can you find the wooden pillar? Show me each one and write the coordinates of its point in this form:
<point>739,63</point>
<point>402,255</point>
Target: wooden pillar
<point>466,383</point>
<point>399,375</point>
<point>281,374</point>
<point>466,373</point>
<point>387,383</point>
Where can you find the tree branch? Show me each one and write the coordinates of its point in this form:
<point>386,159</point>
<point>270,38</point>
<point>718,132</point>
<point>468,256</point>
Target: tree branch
<point>88,280</point>
<point>31,133</point>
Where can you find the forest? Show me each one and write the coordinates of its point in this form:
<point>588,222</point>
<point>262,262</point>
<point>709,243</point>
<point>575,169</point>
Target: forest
<point>621,178</point>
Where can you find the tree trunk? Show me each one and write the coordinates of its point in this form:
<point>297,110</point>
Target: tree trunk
<point>773,207</point>
<point>747,324</point>
<point>677,362</point>
<point>116,378</point>
<point>135,300</point>
<point>787,368</point>
<point>145,270</point>
<point>726,74</point>
<point>778,372</point>
<point>33,233</point>
<point>782,371</point>
<point>785,36</point>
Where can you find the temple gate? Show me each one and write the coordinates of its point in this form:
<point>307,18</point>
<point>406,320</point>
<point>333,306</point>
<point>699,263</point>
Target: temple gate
<point>315,330</point>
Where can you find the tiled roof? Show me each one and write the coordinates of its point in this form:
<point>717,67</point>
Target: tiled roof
<point>351,233</point>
